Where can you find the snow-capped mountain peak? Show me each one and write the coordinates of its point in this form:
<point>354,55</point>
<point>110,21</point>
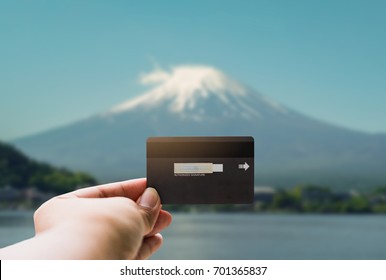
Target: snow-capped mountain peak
<point>197,90</point>
<point>291,148</point>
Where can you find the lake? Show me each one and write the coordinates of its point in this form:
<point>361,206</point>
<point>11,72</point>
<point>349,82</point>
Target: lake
<point>250,236</point>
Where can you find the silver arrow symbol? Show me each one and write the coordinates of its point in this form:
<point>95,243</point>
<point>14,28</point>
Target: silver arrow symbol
<point>244,166</point>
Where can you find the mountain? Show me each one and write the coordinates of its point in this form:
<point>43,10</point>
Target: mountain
<point>188,100</point>
<point>21,172</point>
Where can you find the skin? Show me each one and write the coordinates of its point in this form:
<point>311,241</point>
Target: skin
<point>120,220</point>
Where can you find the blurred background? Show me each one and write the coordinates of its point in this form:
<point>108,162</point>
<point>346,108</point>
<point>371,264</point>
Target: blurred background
<point>84,83</point>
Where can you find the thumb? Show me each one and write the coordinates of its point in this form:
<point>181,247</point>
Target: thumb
<point>149,207</point>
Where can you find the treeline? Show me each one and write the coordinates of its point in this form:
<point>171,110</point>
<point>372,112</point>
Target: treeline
<point>316,199</point>
<point>301,199</point>
<point>20,172</point>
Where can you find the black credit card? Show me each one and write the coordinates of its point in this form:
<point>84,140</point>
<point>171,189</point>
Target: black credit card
<point>201,170</point>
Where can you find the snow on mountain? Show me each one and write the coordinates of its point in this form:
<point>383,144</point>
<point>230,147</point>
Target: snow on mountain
<point>197,92</point>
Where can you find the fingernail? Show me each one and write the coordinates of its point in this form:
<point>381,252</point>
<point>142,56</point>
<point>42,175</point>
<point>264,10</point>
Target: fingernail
<point>149,198</point>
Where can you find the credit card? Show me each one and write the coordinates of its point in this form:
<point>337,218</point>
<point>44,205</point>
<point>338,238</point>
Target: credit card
<point>201,170</point>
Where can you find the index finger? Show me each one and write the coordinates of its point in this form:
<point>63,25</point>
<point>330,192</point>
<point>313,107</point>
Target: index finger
<point>132,189</point>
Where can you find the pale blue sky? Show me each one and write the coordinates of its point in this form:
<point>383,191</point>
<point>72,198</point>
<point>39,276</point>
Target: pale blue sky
<point>65,60</point>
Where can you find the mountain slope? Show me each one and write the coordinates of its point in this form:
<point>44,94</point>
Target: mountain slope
<point>199,100</point>
<point>19,171</point>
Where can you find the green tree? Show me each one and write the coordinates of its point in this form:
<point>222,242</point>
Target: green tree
<point>21,172</point>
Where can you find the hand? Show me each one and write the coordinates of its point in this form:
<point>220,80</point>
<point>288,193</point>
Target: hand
<point>114,221</point>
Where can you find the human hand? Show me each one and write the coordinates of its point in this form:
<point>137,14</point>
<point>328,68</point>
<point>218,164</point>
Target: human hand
<point>114,221</point>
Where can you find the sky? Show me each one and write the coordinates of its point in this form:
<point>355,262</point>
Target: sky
<point>61,61</point>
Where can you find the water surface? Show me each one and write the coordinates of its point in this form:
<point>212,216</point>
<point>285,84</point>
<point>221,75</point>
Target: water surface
<point>250,236</point>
